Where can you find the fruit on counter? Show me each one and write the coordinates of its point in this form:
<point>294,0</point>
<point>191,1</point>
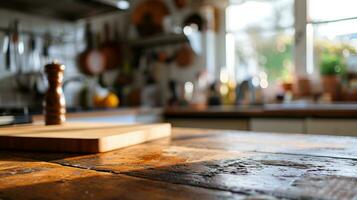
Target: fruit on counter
<point>97,100</point>
<point>109,101</point>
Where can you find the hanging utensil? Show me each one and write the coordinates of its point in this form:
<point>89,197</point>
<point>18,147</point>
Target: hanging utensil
<point>7,42</point>
<point>27,76</point>
<point>110,50</point>
<point>31,46</point>
<point>17,48</point>
<point>33,55</point>
<point>46,49</point>
<point>91,60</point>
<point>40,81</point>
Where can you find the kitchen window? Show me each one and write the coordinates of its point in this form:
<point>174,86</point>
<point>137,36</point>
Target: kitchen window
<point>260,40</point>
<point>332,35</point>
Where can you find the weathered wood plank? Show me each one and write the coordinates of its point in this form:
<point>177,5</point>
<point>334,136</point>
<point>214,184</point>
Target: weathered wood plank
<point>315,145</point>
<point>29,179</point>
<point>206,164</point>
<point>266,174</point>
<point>333,187</point>
<point>241,172</point>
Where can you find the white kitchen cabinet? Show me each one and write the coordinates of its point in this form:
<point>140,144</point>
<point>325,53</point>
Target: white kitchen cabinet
<point>347,127</point>
<point>227,124</point>
<point>121,119</point>
<point>278,125</point>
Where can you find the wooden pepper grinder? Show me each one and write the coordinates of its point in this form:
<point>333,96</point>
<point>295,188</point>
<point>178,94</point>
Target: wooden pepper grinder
<point>55,108</point>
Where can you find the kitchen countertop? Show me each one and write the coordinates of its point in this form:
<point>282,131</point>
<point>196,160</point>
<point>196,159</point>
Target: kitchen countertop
<point>105,113</point>
<point>193,164</point>
<point>267,110</point>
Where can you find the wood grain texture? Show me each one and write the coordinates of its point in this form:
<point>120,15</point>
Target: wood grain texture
<point>194,164</point>
<point>79,137</point>
<point>311,145</point>
<point>30,179</point>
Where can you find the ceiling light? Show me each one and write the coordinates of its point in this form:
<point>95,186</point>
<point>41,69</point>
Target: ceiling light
<point>123,4</point>
<point>120,4</point>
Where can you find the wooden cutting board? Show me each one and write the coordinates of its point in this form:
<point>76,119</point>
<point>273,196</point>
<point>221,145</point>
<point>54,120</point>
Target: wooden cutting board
<point>79,137</point>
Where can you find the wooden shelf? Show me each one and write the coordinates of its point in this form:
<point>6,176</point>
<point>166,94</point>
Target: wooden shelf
<point>160,40</point>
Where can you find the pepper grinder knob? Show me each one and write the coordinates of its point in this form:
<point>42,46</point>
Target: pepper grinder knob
<point>55,107</point>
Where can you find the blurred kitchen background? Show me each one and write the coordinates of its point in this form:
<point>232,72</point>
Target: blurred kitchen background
<point>168,53</point>
<point>116,53</point>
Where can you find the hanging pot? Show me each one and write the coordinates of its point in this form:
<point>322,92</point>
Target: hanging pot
<point>180,3</point>
<point>148,17</point>
<point>111,50</point>
<point>91,61</point>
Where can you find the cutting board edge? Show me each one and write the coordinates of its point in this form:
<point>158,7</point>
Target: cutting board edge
<point>134,137</point>
<point>51,144</point>
<point>85,145</point>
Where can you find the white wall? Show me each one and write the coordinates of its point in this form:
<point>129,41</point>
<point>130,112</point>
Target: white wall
<point>39,25</point>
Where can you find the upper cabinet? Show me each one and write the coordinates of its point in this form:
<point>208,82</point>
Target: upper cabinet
<point>68,10</point>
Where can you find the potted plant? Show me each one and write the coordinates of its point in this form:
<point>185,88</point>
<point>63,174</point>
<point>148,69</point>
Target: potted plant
<point>331,67</point>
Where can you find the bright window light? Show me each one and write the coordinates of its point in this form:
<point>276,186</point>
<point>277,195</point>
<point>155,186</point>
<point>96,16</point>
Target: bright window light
<point>123,4</point>
<point>230,55</point>
<point>324,10</point>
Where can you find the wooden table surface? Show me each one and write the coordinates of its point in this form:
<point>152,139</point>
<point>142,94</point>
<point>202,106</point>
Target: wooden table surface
<point>193,164</point>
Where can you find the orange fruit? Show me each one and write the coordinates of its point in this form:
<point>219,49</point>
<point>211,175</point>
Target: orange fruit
<point>110,101</point>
